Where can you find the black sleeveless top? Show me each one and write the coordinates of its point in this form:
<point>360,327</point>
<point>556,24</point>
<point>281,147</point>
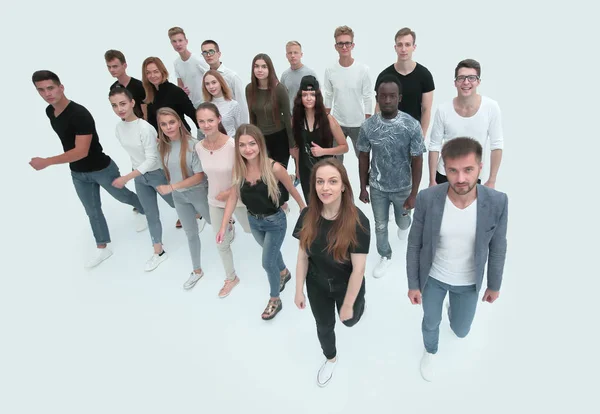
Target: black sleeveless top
<point>308,137</point>
<point>256,197</point>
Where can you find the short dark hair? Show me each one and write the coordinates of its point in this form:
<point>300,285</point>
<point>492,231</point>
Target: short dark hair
<point>388,79</point>
<point>208,42</point>
<point>114,54</point>
<point>468,63</point>
<point>461,147</point>
<point>43,75</point>
<point>119,89</point>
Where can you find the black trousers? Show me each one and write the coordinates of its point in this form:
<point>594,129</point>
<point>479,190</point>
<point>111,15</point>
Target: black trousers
<point>439,178</point>
<point>324,296</point>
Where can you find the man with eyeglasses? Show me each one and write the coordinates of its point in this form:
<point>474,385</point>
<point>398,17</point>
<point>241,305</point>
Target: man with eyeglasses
<point>212,56</point>
<point>347,88</point>
<point>417,82</point>
<point>470,115</point>
<point>189,69</point>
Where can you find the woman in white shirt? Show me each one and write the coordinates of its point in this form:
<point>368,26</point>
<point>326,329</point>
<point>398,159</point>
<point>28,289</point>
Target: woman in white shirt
<point>138,138</point>
<point>216,90</point>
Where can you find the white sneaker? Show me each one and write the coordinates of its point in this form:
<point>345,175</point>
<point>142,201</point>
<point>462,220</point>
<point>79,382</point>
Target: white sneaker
<point>98,257</point>
<point>381,267</point>
<point>326,372</point>
<point>427,366</point>
<point>141,223</point>
<point>155,260</point>
<point>194,277</point>
<point>201,224</point>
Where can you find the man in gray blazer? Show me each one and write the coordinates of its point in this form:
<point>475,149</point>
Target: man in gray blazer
<point>457,227</point>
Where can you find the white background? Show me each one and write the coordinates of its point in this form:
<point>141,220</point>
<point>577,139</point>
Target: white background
<point>118,340</point>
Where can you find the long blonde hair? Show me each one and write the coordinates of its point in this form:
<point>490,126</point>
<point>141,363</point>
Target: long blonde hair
<point>266,168</point>
<point>164,143</point>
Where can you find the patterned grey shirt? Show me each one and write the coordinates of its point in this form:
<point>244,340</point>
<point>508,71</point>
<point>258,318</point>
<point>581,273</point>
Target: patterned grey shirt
<point>392,143</point>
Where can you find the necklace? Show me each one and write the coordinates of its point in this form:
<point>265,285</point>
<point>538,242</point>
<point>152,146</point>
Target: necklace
<point>211,150</point>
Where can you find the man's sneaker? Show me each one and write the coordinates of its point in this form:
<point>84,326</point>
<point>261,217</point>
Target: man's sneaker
<point>284,279</point>
<point>228,287</point>
<point>155,260</point>
<point>201,223</point>
<point>194,277</point>
<point>381,267</point>
<point>326,372</point>
<point>141,223</point>
<point>427,366</point>
<point>98,257</point>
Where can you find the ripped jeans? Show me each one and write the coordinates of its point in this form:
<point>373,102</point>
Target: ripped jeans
<point>380,202</point>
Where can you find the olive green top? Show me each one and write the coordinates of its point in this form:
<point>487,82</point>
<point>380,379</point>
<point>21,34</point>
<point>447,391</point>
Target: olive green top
<point>261,111</point>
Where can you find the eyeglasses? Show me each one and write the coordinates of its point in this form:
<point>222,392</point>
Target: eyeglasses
<point>341,45</point>
<point>470,78</point>
<point>209,52</point>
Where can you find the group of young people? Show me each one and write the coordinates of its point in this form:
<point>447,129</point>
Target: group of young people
<point>235,170</point>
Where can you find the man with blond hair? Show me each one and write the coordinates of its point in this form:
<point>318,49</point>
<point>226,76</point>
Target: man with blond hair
<point>117,66</point>
<point>347,88</point>
<point>292,76</point>
<point>188,68</point>
<point>416,80</point>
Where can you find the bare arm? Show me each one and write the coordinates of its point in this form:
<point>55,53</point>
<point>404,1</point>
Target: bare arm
<point>189,182</point>
<point>426,103</point>
<point>283,177</point>
<point>359,261</point>
<point>363,169</point>
<point>81,150</point>
<point>434,157</point>
<point>435,145</point>
<point>495,160</point>
<point>232,200</point>
<point>301,270</point>
<point>340,138</point>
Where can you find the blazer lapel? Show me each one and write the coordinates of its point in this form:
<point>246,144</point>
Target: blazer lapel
<point>482,219</point>
<point>437,210</point>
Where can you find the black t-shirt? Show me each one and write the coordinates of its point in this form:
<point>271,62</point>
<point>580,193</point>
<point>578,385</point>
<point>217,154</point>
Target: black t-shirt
<point>136,88</point>
<point>414,85</point>
<point>320,263</point>
<point>76,120</point>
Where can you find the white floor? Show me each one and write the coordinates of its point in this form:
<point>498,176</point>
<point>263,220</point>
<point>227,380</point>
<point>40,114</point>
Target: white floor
<point>118,340</point>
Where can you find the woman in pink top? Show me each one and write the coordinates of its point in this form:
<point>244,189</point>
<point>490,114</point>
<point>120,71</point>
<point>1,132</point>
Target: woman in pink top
<point>217,155</point>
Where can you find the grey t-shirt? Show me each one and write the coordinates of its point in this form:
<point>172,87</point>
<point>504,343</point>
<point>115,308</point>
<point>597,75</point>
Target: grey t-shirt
<point>392,143</point>
<point>192,163</point>
<point>291,80</point>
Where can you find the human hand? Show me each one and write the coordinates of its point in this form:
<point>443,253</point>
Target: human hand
<point>221,235</point>
<point>316,150</point>
<point>39,163</point>
<point>490,183</point>
<point>300,300</point>
<point>364,196</point>
<point>432,183</point>
<point>409,203</point>
<point>414,296</point>
<point>346,312</point>
<point>294,153</point>
<point>119,182</point>
<point>490,296</point>
<point>186,90</point>
<point>164,189</point>
<point>222,196</point>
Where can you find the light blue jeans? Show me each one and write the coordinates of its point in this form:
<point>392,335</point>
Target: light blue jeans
<point>380,202</point>
<point>269,232</point>
<point>145,187</point>
<point>463,303</point>
<point>189,203</point>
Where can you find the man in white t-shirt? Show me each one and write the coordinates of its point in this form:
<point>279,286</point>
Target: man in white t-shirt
<point>458,227</point>
<point>467,115</point>
<point>188,68</point>
<point>347,88</point>
<point>212,56</point>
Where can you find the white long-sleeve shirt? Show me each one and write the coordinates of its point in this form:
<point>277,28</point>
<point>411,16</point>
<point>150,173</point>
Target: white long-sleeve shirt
<point>231,114</point>
<point>138,138</point>
<point>237,89</point>
<point>485,126</point>
<point>348,92</point>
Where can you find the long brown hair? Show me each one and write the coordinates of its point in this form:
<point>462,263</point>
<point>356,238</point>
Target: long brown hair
<point>148,86</point>
<point>266,169</point>
<point>342,235</point>
<point>212,107</point>
<point>164,143</point>
<point>321,120</point>
<point>224,87</point>
<point>272,82</point>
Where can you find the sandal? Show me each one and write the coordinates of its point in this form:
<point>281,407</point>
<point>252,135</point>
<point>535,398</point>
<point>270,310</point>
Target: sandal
<point>272,309</point>
<point>284,279</point>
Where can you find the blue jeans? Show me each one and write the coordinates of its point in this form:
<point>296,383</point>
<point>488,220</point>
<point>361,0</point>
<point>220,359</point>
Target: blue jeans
<point>463,303</point>
<point>187,204</point>
<point>145,187</point>
<point>380,202</point>
<point>87,185</point>
<point>269,232</point>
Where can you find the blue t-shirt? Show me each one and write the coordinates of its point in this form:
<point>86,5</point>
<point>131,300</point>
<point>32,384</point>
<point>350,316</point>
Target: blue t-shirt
<point>392,143</point>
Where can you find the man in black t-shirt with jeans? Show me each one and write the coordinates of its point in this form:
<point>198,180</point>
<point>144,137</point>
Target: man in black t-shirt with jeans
<point>90,166</point>
<point>117,66</point>
<point>416,80</point>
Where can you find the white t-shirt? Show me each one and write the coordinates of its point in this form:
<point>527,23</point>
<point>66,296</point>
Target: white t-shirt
<point>348,92</point>
<point>485,126</point>
<point>138,138</point>
<point>231,114</point>
<point>454,261</point>
<point>191,73</point>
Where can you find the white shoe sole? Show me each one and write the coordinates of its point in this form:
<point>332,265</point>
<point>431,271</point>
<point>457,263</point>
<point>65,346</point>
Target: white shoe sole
<point>187,286</point>
<point>162,259</point>
<point>95,264</point>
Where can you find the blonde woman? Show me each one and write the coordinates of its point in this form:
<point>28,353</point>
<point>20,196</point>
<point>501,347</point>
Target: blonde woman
<point>186,181</point>
<point>217,154</point>
<point>216,90</point>
<point>257,181</point>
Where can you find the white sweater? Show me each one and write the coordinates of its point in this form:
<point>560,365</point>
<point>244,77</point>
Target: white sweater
<point>138,138</point>
<point>231,114</point>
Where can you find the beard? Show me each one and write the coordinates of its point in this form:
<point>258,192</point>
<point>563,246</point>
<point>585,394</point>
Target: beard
<point>463,190</point>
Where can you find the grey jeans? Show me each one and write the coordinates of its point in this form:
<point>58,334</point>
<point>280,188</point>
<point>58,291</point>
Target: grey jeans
<point>380,202</point>
<point>187,204</point>
<point>351,132</point>
<point>145,187</point>
<point>224,248</point>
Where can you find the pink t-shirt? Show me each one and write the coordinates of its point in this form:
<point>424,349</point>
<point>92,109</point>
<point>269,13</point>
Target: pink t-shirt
<point>218,167</point>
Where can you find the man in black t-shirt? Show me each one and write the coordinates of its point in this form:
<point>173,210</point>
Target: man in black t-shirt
<point>117,66</point>
<point>416,80</point>
<point>90,167</point>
